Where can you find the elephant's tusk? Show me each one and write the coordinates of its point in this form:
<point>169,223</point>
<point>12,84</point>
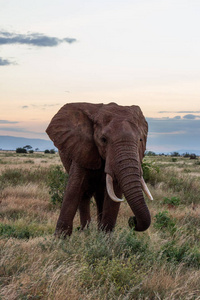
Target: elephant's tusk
<point>145,189</point>
<point>110,190</point>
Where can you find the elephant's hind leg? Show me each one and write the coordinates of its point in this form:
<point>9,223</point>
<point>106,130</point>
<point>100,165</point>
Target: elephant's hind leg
<point>99,198</point>
<point>84,210</point>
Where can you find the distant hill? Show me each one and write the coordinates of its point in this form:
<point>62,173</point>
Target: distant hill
<point>11,143</point>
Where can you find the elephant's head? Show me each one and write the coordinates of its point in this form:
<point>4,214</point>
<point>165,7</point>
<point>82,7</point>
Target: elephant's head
<point>92,133</point>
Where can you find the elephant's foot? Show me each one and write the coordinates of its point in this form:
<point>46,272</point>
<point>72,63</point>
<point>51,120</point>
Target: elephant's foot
<point>106,227</point>
<point>85,224</point>
<point>63,230</point>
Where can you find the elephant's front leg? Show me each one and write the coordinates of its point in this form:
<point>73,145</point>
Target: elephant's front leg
<point>72,197</point>
<point>110,211</point>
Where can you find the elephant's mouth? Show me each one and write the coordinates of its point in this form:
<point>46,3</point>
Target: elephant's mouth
<point>111,193</point>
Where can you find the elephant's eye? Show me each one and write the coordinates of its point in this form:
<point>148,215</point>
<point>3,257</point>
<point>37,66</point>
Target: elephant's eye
<point>141,140</point>
<point>104,140</point>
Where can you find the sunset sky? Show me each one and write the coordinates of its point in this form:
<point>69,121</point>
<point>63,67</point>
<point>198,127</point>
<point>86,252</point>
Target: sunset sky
<point>132,52</point>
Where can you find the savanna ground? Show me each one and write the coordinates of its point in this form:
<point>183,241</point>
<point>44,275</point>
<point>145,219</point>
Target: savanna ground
<point>161,263</point>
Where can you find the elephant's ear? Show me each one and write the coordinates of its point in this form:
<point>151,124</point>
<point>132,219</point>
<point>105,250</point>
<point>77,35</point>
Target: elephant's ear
<point>71,131</point>
<point>142,125</point>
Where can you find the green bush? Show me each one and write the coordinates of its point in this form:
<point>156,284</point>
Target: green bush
<point>11,231</point>
<point>57,181</point>
<point>193,156</point>
<point>174,159</point>
<point>22,232</point>
<point>175,201</point>
<point>175,154</point>
<point>181,254</point>
<point>21,150</point>
<point>52,151</point>
<point>46,151</point>
<point>150,153</point>
<point>186,154</point>
<point>150,172</point>
<point>164,222</point>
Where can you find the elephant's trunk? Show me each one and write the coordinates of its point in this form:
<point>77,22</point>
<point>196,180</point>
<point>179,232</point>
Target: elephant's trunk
<point>127,171</point>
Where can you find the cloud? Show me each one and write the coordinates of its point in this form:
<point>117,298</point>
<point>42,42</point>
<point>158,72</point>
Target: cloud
<point>8,122</point>
<point>191,117</point>
<point>167,125</point>
<point>180,112</point>
<point>69,40</point>
<point>189,112</point>
<point>5,62</point>
<point>33,39</point>
<point>15,129</point>
<point>173,134</point>
<point>18,129</point>
<point>40,106</point>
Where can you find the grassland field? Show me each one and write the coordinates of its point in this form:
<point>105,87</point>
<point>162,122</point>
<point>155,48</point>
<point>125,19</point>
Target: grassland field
<point>161,263</point>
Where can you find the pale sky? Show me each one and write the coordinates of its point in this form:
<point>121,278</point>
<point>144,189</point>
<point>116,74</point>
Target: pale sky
<point>132,52</point>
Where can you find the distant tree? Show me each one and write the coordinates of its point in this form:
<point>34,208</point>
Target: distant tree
<point>36,149</point>
<point>193,156</point>
<point>28,147</point>
<point>150,153</point>
<point>186,154</point>
<point>46,151</point>
<point>175,154</point>
<point>52,151</point>
<point>21,150</point>
<point>30,151</point>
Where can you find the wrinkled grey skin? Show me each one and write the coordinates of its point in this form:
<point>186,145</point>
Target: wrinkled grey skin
<point>95,140</point>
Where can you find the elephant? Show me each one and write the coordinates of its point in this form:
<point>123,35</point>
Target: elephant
<point>101,147</point>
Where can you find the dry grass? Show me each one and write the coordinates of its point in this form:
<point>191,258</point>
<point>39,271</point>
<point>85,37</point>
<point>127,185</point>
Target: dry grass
<point>162,263</point>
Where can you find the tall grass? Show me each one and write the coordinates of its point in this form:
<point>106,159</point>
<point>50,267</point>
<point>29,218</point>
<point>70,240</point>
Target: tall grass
<point>161,263</point>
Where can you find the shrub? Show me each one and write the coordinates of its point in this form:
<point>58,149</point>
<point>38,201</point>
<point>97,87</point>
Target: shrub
<point>186,154</point>
<point>23,231</point>
<point>193,156</point>
<point>163,221</point>
<point>21,150</point>
<point>175,201</point>
<point>11,231</point>
<point>175,154</point>
<point>150,171</point>
<point>52,151</point>
<point>181,254</point>
<point>57,181</point>
<point>174,159</point>
<point>150,153</point>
